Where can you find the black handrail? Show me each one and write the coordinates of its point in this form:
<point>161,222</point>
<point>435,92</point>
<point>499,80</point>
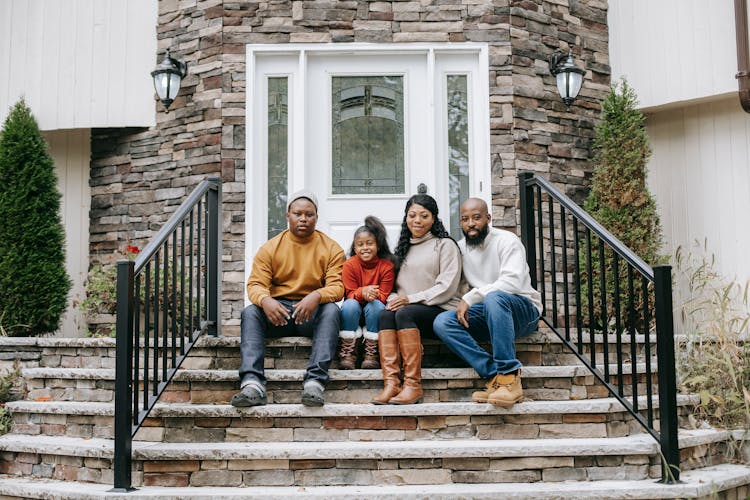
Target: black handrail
<point>648,292</point>
<point>154,335</point>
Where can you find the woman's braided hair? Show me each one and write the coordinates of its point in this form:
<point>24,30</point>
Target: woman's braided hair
<point>437,229</point>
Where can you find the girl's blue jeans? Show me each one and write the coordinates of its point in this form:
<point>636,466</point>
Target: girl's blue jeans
<point>352,311</point>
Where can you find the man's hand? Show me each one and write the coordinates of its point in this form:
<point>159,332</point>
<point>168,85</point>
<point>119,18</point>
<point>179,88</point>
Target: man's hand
<point>396,303</point>
<point>462,313</point>
<point>275,311</point>
<point>305,308</point>
<point>370,292</point>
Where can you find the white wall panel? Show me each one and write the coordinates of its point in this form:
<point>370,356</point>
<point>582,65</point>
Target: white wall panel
<point>79,63</point>
<point>700,176</point>
<point>71,151</point>
<point>673,50</point>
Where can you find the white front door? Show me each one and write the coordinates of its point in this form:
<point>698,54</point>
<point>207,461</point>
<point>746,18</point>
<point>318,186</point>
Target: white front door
<point>363,126</point>
<point>368,139</point>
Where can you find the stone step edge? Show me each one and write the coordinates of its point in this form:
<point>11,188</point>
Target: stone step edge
<point>589,406</point>
<point>694,483</point>
<point>638,444</point>
<point>208,341</point>
<point>292,375</point>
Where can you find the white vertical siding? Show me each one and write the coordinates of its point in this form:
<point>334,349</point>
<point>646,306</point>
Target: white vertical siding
<point>700,176</point>
<point>79,63</point>
<point>71,151</point>
<point>673,50</point>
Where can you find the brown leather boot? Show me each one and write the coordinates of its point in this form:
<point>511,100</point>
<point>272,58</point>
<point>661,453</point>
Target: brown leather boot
<point>371,360</point>
<point>348,354</point>
<point>390,363</point>
<point>410,343</point>
<point>509,391</point>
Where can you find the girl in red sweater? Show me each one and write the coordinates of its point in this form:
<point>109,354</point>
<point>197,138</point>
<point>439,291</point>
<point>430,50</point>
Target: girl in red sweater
<point>368,280</point>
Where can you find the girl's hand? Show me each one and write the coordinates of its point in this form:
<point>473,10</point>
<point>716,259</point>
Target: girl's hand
<point>370,292</point>
<point>397,302</point>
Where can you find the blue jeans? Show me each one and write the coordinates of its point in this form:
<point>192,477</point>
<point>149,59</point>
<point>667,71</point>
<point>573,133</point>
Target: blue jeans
<point>352,310</point>
<point>323,327</point>
<point>501,319</point>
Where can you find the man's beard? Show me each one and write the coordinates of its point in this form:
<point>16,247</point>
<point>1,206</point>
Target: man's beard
<point>475,241</point>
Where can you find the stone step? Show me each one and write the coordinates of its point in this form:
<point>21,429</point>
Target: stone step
<point>722,481</point>
<point>604,417</point>
<point>345,386</point>
<point>356,463</point>
<point>541,348</point>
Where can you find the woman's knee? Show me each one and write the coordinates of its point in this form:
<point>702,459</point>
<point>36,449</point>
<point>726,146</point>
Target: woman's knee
<point>405,318</point>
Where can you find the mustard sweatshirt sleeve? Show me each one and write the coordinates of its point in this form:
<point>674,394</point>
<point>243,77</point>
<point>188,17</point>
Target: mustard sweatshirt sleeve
<point>259,281</point>
<point>333,290</point>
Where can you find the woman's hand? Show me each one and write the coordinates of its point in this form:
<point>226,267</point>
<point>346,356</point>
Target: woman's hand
<point>370,292</point>
<point>397,302</point>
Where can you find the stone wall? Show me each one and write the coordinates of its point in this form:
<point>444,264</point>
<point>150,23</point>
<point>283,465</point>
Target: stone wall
<point>139,177</point>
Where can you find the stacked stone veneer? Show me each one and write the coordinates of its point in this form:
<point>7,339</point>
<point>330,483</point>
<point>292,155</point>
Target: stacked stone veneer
<point>139,176</point>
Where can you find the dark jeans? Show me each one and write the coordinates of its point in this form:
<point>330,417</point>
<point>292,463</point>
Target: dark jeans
<point>323,328</point>
<point>412,316</point>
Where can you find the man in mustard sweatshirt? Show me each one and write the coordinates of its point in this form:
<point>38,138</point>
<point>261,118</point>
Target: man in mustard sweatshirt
<point>293,287</point>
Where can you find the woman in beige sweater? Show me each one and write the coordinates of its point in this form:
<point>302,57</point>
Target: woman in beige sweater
<point>428,275</point>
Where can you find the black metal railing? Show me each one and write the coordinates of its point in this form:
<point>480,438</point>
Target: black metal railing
<point>597,292</point>
<point>166,299</point>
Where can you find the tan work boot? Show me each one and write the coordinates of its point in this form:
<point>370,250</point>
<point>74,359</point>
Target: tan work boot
<point>390,363</point>
<point>410,344</point>
<point>371,361</point>
<point>483,396</point>
<point>509,391</point>
<point>348,354</point>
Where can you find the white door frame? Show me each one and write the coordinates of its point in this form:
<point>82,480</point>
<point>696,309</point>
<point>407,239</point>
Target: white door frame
<point>290,60</point>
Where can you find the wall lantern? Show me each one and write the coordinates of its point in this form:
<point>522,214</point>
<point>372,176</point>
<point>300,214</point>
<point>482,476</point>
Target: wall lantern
<point>569,77</point>
<point>167,78</point>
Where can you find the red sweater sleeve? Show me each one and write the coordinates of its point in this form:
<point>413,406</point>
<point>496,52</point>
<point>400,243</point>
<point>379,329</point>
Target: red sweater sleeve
<point>387,277</point>
<point>351,276</point>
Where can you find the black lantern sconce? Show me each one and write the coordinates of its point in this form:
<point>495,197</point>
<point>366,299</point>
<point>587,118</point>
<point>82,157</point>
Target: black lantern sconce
<point>167,79</point>
<point>569,77</point>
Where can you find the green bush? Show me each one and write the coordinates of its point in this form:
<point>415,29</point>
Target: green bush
<point>33,282</point>
<point>620,201</point>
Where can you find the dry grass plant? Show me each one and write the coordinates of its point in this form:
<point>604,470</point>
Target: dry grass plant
<point>714,359</point>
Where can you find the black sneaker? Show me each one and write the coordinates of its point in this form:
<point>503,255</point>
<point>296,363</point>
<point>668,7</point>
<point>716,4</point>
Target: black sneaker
<point>312,395</point>
<point>248,396</point>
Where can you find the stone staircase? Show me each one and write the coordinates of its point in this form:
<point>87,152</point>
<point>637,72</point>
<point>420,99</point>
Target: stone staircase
<point>569,439</point>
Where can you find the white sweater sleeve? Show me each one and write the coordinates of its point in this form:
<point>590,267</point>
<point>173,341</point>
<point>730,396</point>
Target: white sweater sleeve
<point>514,273</point>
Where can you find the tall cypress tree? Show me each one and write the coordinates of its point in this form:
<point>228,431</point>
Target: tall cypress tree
<point>619,198</point>
<point>33,282</point>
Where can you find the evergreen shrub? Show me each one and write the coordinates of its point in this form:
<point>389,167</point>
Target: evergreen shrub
<point>33,282</point>
<point>620,201</point>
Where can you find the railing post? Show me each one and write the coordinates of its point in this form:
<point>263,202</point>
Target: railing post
<point>213,273</point>
<point>123,381</point>
<point>667,377</point>
<point>528,228</point>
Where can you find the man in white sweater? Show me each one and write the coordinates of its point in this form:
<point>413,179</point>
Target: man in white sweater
<point>500,307</point>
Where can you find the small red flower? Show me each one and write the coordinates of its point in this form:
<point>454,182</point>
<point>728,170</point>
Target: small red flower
<point>132,249</point>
